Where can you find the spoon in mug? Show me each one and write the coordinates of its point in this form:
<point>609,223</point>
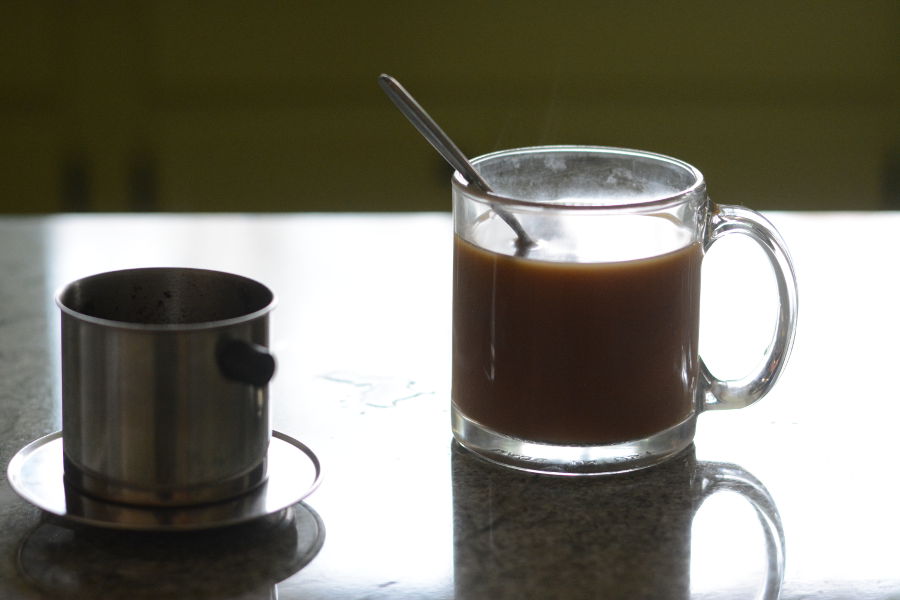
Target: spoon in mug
<point>427,126</point>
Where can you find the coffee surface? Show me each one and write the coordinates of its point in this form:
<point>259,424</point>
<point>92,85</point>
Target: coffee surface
<point>575,353</point>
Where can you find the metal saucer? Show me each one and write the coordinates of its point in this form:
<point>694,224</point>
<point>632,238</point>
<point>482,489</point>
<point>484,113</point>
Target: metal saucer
<point>36,474</point>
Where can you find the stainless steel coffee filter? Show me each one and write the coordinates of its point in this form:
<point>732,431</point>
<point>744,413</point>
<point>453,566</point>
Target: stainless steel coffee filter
<point>165,374</point>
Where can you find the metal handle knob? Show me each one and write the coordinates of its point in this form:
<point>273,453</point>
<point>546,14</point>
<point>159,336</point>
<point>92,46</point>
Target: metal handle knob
<point>245,362</point>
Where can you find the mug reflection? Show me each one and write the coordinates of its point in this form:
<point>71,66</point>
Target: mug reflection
<point>519,535</point>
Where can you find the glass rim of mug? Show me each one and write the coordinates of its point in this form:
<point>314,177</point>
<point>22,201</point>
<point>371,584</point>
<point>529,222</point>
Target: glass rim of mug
<point>698,182</point>
<point>63,291</point>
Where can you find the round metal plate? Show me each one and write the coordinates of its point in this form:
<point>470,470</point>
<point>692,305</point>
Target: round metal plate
<point>36,474</point>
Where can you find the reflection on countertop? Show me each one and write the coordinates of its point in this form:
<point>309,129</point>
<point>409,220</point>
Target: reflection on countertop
<point>65,560</point>
<point>519,535</point>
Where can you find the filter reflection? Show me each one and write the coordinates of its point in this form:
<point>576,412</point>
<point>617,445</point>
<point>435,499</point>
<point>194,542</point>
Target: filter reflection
<point>65,560</point>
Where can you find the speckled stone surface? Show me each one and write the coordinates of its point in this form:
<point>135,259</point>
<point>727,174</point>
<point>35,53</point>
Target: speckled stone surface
<point>362,337</point>
<point>27,393</point>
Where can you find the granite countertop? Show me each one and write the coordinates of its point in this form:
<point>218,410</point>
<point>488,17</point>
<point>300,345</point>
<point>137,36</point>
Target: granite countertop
<point>362,336</point>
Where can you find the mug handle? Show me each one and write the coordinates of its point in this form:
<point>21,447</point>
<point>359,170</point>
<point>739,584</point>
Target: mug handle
<point>717,394</point>
<point>716,477</point>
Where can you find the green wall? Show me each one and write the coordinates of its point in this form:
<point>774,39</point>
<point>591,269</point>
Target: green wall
<point>274,106</point>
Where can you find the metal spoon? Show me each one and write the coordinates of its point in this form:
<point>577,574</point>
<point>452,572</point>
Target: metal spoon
<point>427,126</point>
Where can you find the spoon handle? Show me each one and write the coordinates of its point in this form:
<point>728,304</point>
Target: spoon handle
<point>432,132</point>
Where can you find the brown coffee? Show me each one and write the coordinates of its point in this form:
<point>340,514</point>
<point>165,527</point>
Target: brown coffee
<point>575,353</point>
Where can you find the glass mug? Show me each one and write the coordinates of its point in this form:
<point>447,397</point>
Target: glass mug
<point>576,308</point>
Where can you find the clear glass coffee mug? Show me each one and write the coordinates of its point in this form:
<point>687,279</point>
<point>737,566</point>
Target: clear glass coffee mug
<point>575,339</point>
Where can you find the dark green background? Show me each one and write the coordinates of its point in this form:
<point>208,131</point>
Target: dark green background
<point>274,106</point>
